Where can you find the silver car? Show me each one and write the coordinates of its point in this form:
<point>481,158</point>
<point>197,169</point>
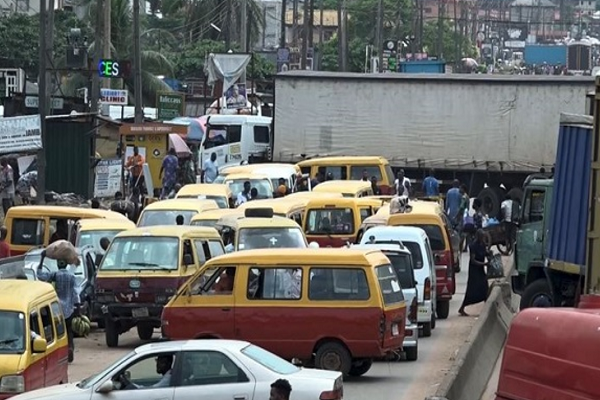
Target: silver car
<point>401,260</point>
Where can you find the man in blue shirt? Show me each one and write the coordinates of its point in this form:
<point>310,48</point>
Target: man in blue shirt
<point>431,186</point>
<point>66,289</point>
<point>453,199</point>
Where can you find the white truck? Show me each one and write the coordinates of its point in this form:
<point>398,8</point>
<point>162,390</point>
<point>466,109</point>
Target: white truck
<point>487,131</point>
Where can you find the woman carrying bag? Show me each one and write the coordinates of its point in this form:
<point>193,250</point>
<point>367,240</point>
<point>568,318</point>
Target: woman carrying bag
<point>477,282</point>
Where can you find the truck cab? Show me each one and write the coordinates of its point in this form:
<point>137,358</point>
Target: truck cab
<point>531,237</point>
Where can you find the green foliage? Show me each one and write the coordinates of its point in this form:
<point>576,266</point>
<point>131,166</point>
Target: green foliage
<point>452,42</point>
<point>19,46</point>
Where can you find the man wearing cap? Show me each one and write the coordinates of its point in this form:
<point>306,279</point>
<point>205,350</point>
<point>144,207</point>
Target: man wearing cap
<point>66,289</point>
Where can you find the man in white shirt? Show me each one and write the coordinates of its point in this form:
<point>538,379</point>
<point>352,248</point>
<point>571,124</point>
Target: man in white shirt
<point>402,184</point>
<point>506,219</point>
<point>244,195</point>
<point>210,169</point>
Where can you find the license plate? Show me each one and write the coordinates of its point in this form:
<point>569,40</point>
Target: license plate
<point>140,312</point>
<point>422,311</point>
<point>395,330</point>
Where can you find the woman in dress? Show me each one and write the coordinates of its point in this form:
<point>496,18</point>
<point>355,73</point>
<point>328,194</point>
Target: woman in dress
<point>477,283</point>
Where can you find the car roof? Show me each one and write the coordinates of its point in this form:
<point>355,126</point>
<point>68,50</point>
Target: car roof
<point>314,195</point>
<point>333,257</point>
<point>16,292</point>
<point>180,204</point>
<point>409,232</point>
<point>204,344</point>
<point>385,247</point>
<point>350,160</point>
<point>337,202</point>
<point>279,206</point>
<point>342,186</point>
<point>64,211</point>
<point>179,231</point>
<point>105,223</point>
<point>198,189</point>
<point>240,221</point>
<point>246,175</point>
<point>216,214</point>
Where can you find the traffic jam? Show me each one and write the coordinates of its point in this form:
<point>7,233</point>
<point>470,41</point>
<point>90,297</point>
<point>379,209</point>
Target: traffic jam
<point>272,278</point>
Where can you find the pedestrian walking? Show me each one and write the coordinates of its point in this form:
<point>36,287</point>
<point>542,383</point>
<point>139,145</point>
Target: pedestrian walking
<point>210,169</point>
<point>168,173</point>
<point>135,165</point>
<point>280,390</point>
<point>402,184</point>
<point>453,203</point>
<point>431,186</point>
<point>7,185</point>
<point>4,247</point>
<point>477,282</point>
<point>65,285</point>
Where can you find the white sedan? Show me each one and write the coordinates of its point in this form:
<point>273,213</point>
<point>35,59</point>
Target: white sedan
<point>197,370</point>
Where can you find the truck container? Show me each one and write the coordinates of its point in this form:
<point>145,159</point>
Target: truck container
<point>481,129</point>
<point>551,240</point>
<point>551,54</point>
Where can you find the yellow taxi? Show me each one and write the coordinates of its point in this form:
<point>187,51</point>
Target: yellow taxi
<point>90,231</point>
<point>34,348</point>
<point>210,217</point>
<point>346,188</point>
<point>165,212</point>
<point>282,207</point>
<point>352,168</point>
<point>33,226</point>
<point>207,191</point>
<point>259,229</point>
<point>143,268</point>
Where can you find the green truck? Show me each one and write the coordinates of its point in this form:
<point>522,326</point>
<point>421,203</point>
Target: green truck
<point>550,251</point>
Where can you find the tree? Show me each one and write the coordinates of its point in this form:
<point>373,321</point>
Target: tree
<point>452,41</point>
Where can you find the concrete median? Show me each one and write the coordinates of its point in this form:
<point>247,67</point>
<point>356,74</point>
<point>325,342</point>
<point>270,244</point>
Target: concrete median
<point>474,364</point>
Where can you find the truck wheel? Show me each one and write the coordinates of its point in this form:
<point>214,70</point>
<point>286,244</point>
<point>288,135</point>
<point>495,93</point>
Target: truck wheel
<point>427,329</point>
<point>412,353</point>
<point>111,334</point>
<point>433,320</point>
<point>537,294</point>
<point>333,356</point>
<point>145,331</point>
<point>361,367</point>
<point>442,309</point>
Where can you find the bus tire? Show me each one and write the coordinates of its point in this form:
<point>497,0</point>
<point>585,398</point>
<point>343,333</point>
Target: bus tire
<point>333,356</point>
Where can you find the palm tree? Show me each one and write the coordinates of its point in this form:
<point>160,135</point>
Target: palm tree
<point>153,62</point>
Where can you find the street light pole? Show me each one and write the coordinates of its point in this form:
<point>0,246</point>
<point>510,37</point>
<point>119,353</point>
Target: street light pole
<point>137,63</point>
<point>42,106</point>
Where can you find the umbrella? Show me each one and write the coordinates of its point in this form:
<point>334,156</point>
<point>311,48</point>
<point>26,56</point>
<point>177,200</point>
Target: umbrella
<point>469,62</point>
<point>196,127</point>
<point>181,148</point>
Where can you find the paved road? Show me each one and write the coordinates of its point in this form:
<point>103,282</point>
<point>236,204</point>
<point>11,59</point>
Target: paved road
<point>386,380</point>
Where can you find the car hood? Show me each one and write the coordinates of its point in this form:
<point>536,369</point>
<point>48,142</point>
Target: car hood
<point>10,364</point>
<point>62,392</point>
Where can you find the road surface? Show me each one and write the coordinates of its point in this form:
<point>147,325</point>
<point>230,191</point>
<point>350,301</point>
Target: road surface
<point>386,380</point>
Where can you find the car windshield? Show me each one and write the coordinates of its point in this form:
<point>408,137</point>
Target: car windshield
<point>264,238</point>
<point>415,252</point>
<point>402,263</point>
<point>12,334</point>
<point>165,217</point>
<point>32,261</point>
<point>330,221</point>
<point>93,379</point>
<point>269,360</point>
<point>220,200</point>
<point>92,238</point>
<point>389,285</point>
<point>263,186</point>
<point>142,253</point>
<point>435,235</point>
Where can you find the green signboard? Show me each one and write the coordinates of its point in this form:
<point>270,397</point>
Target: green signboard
<point>170,105</point>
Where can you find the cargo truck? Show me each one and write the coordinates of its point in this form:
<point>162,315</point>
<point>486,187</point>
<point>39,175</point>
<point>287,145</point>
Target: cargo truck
<point>550,248</point>
<point>551,54</point>
<point>551,353</point>
<point>488,131</point>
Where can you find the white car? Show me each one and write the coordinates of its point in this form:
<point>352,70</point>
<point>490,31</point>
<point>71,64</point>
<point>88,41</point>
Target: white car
<point>196,370</point>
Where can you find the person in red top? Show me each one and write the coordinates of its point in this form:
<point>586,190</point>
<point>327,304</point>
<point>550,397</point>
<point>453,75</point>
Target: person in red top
<point>135,164</point>
<point>4,248</point>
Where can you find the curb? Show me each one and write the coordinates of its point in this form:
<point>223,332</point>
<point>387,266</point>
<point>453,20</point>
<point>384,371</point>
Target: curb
<point>475,362</point>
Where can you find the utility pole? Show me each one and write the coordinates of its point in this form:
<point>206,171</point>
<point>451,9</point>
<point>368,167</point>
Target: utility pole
<point>137,63</point>
<point>98,50</point>
<point>282,41</point>
<point>320,24</point>
<point>228,27</point>
<point>311,24</point>
<point>440,33</point>
<point>42,105</point>
<point>243,26</point>
<point>379,30</point>
<point>106,83</point>
<point>295,23</point>
<point>305,16</point>
<point>343,35</point>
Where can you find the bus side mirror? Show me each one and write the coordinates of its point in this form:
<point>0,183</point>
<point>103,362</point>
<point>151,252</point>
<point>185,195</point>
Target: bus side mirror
<point>39,345</point>
<point>188,259</point>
